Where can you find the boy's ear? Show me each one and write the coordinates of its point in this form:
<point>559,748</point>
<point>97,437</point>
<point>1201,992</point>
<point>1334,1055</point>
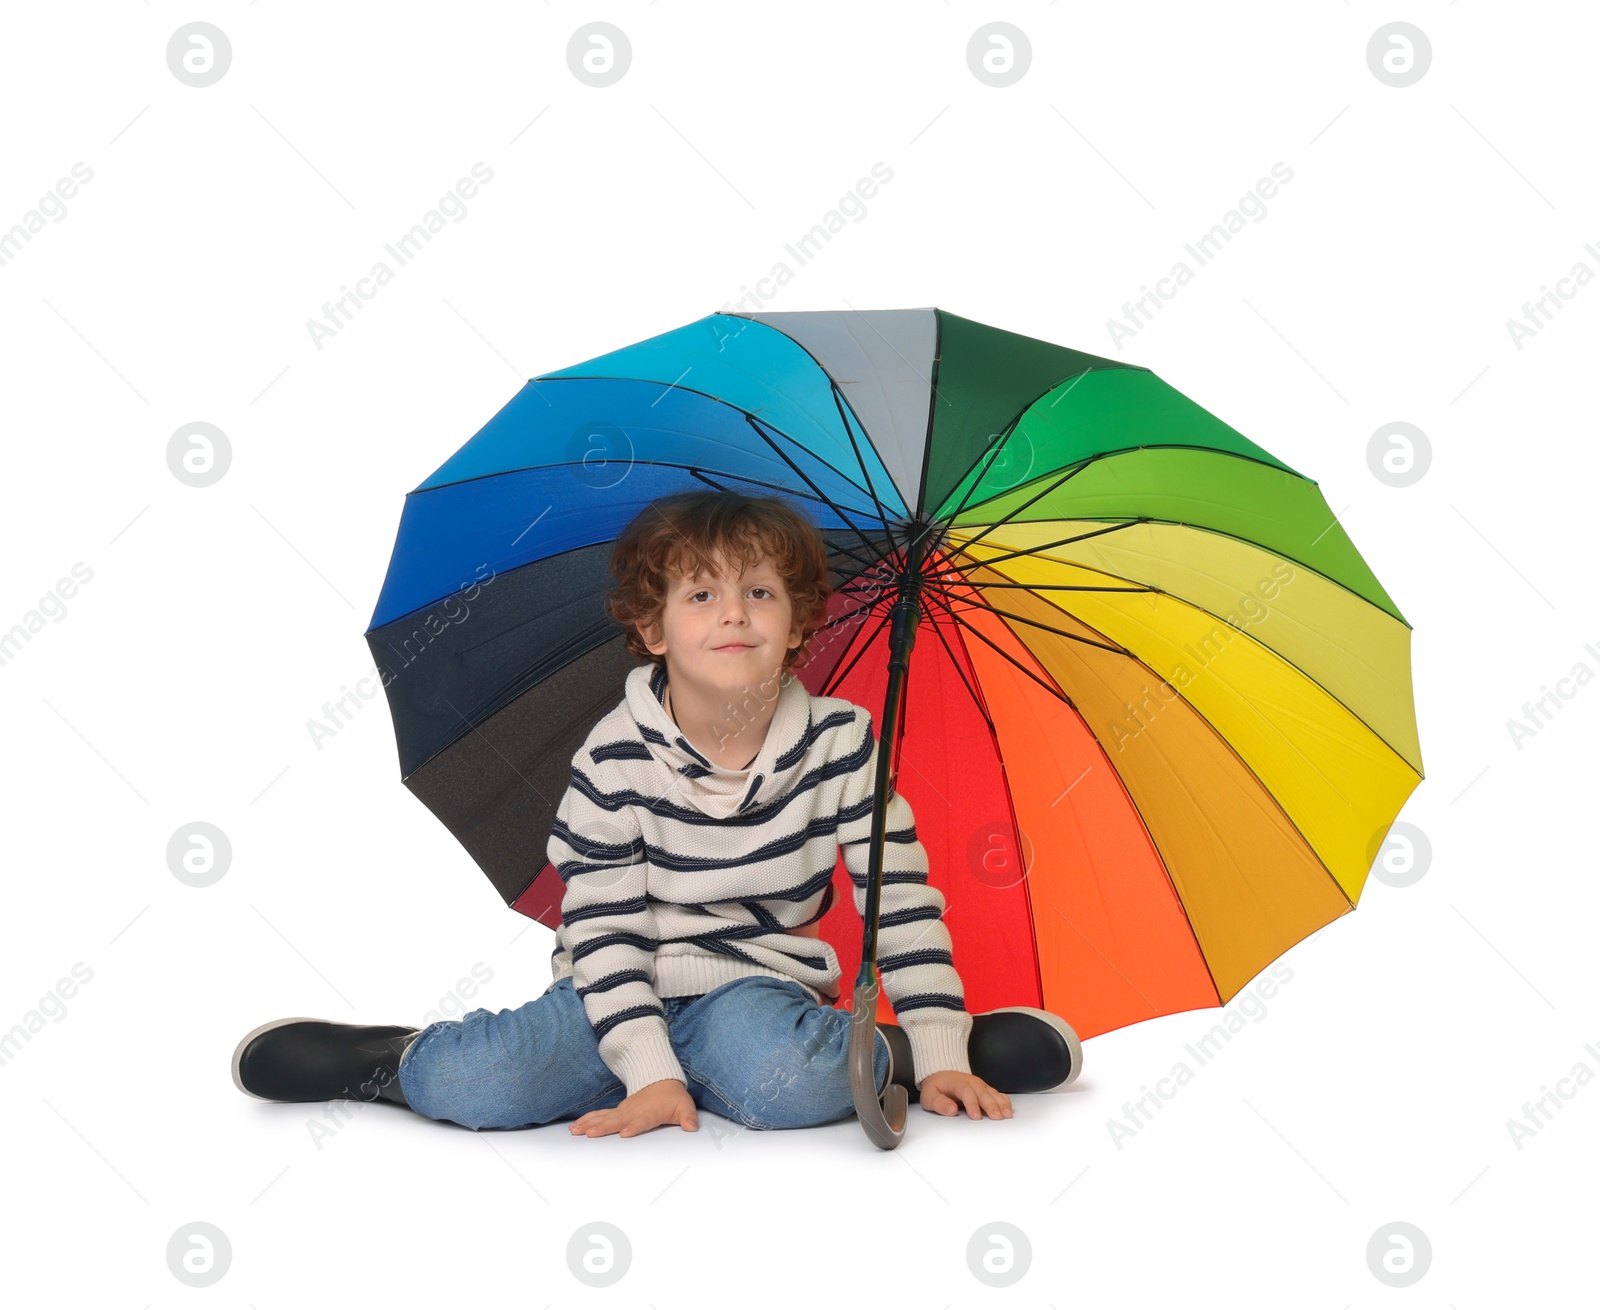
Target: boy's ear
<point>650,635</point>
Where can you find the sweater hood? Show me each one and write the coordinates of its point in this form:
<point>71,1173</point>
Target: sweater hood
<point>695,781</point>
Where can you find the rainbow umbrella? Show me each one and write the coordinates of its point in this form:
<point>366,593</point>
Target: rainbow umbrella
<point>1160,717</point>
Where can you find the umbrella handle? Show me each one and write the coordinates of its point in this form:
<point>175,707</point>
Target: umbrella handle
<point>885,1124</point>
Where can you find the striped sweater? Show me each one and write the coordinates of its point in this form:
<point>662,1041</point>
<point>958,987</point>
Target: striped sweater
<point>681,875</point>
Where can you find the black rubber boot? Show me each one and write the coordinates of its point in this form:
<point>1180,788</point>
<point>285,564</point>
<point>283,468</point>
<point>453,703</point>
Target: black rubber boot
<point>318,1060</point>
<point>900,1051</point>
<point>1021,1049</point>
<point>1015,1050</point>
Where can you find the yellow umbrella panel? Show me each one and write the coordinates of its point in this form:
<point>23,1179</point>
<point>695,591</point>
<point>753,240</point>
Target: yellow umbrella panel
<point>1242,716</point>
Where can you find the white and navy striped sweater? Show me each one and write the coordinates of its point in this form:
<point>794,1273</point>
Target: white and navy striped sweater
<point>681,875</point>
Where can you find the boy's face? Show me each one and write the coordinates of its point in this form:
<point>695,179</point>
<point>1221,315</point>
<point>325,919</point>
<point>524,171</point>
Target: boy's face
<point>725,633</point>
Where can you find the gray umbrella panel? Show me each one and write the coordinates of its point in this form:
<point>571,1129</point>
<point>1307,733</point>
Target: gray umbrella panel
<point>882,361</point>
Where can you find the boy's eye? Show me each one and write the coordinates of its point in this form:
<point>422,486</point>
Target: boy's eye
<point>767,592</point>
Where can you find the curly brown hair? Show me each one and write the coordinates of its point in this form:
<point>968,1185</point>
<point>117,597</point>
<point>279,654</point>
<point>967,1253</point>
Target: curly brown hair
<point>676,536</point>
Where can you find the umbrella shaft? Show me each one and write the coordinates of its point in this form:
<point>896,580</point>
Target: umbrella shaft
<point>904,617</point>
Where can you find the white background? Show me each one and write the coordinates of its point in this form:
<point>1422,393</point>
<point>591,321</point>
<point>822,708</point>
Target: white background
<point>1376,1086</point>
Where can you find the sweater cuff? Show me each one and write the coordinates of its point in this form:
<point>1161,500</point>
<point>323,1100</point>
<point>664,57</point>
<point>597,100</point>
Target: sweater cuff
<point>642,1055</point>
<point>938,1041</point>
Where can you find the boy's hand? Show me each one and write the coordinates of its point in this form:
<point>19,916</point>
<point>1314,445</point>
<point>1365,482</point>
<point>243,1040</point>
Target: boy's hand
<point>947,1091</point>
<point>664,1102</point>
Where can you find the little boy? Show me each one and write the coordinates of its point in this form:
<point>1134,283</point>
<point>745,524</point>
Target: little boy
<point>697,841</point>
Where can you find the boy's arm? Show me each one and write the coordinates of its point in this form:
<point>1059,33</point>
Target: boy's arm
<point>914,955</point>
<point>610,931</point>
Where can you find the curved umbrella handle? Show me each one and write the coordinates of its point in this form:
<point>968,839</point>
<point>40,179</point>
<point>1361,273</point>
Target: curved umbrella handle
<point>885,1124</point>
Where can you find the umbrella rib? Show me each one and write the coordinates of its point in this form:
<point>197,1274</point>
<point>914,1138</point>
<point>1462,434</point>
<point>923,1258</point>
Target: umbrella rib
<point>839,675</point>
<point>1212,614</point>
<point>1006,655</point>
<point>840,619</point>
<point>1011,808</point>
<point>832,549</point>
<point>1051,586</point>
<point>695,471</point>
<point>1155,846</point>
<point>1060,632</point>
<point>651,463</point>
<point>1051,545</point>
<point>838,404</point>
<point>789,491</point>
<point>961,673</point>
<point>1004,519</point>
<point>757,425</point>
<point>850,554</point>
<point>857,583</point>
<point>1079,468</point>
<point>1211,727</point>
<point>933,397</point>
<point>1011,429</point>
<point>993,453</point>
<point>1192,527</point>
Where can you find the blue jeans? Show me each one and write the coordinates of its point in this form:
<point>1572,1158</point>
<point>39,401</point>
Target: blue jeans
<point>757,1050</point>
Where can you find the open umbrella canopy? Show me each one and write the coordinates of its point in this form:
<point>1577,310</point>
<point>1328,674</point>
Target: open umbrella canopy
<point>1159,716</point>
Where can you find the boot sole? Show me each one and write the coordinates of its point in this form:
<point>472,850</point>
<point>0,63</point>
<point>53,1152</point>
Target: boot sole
<point>239,1050</point>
